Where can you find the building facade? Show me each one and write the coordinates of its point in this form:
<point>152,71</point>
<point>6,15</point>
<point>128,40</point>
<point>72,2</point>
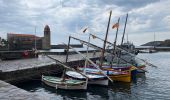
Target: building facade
<point>46,39</point>
<point>28,41</point>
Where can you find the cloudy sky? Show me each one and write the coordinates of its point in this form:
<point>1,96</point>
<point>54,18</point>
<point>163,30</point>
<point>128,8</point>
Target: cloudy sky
<point>68,17</point>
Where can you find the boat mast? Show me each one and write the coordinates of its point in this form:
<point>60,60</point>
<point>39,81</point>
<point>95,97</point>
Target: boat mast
<point>35,43</point>
<point>124,29</point>
<point>132,55</point>
<point>35,39</point>
<point>154,41</point>
<point>104,45</point>
<point>67,51</point>
<point>123,36</point>
<point>98,48</point>
<point>86,62</point>
<point>92,63</point>
<point>114,47</point>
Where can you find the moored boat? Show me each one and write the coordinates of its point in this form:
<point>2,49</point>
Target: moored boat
<point>115,75</point>
<point>93,78</point>
<point>67,84</point>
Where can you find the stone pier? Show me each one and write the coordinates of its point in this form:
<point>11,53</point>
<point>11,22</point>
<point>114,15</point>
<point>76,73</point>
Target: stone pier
<point>10,92</point>
<point>24,69</point>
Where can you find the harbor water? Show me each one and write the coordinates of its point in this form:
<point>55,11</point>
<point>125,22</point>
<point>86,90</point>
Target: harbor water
<point>154,85</point>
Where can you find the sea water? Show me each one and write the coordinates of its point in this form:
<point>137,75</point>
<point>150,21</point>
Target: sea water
<point>154,85</point>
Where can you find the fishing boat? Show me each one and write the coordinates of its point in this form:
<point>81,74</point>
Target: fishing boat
<point>93,78</point>
<point>120,66</point>
<point>67,84</point>
<point>64,82</point>
<point>119,75</point>
<point>115,75</point>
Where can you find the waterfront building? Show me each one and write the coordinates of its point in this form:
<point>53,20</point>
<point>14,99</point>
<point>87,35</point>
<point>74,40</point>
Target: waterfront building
<point>29,41</point>
<point>23,41</point>
<point>46,39</point>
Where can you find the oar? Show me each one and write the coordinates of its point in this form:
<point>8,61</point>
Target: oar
<point>67,67</point>
<point>91,63</point>
<point>127,52</point>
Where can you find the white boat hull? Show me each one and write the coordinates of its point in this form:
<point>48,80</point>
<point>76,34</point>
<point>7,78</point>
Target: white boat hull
<point>93,79</point>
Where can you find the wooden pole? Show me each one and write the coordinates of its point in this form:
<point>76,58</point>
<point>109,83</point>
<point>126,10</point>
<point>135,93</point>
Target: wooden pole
<point>124,29</point>
<point>104,45</point>
<point>86,61</point>
<point>132,55</point>
<point>66,66</point>
<point>63,75</point>
<point>67,51</point>
<point>114,47</point>
<point>98,48</point>
<point>92,63</point>
<point>123,36</point>
<point>116,36</point>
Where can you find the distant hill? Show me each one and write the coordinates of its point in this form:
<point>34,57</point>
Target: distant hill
<point>152,43</point>
<point>165,43</point>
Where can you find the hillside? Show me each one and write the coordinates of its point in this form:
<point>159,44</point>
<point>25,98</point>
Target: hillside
<point>165,43</point>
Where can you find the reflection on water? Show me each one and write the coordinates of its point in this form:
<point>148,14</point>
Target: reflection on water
<point>116,90</point>
<point>152,85</point>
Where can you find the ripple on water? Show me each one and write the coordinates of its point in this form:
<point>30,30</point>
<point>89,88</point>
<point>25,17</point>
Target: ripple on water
<point>155,85</point>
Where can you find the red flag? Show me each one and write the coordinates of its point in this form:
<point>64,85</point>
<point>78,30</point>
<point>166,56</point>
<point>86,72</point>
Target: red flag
<point>115,26</point>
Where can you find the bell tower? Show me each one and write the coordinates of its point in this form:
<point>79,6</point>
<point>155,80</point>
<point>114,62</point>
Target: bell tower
<point>47,39</point>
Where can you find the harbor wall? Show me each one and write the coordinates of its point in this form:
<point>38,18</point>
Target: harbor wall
<point>28,74</point>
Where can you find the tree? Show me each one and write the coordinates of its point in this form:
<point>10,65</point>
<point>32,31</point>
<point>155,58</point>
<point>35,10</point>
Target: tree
<point>4,42</point>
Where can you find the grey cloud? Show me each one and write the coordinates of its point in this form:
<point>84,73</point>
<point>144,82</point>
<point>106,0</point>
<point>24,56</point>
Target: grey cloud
<point>126,4</point>
<point>16,16</point>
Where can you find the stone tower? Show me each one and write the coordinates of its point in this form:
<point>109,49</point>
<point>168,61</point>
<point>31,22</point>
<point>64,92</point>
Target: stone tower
<point>47,40</point>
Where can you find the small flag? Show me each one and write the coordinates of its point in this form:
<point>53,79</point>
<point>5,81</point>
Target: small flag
<point>115,26</point>
<point>84,30</point>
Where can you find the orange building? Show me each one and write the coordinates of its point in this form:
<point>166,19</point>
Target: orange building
<point>29,41</point>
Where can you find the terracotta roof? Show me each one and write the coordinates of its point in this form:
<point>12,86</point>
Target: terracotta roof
<point>22,35</point>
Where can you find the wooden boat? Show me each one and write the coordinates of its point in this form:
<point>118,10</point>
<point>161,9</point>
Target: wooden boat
<point>101,79</point>
<point>122,77</point>
<point>67,84</point>
<point>121,66</point>
<point>115,75</point>
<point>93,78</point>
<point>138,68</point>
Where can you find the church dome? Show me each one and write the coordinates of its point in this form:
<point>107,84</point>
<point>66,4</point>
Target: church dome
<point>47,28</point>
